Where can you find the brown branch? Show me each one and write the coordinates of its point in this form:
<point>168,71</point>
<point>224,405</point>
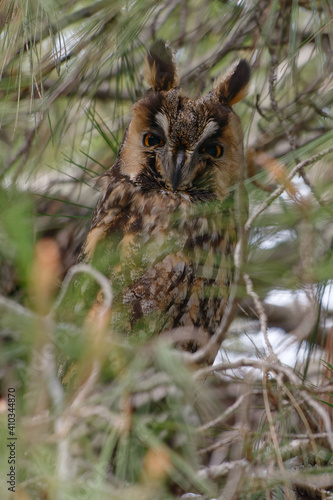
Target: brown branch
<point>23,151</point>
<point>158,20</point>
<point>65,22</point>
<point>234,43</point>
<point>301,414</point>
<point>216,471</point>
<point>288,493</point>
<point>261,314</point>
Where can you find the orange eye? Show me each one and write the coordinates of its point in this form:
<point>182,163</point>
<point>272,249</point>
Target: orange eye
<point>214,150</point>
<point>151,140</point>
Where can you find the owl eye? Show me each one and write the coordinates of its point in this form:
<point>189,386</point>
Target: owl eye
<point>214,150</point>
<point>151,140</point>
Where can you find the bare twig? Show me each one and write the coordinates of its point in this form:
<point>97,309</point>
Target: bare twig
<point>10,306</point>
<point>234,42</point>
<point>87,387</point>
<point>278,191</point>
<point>23,152</point>
<point>216,471</point>
<point>288,493</point>
<point>300,412</point>
<point>209,351</point>
<point>262,315</point>
<point>158,20</point>
<point>319,408</point>
<point>230,439</point>
<point>182,21</point>
<point>99,277</point>
<point>66,421</point>
<point>52,29</point>
<point>225,415</point>
<point>267,365</point>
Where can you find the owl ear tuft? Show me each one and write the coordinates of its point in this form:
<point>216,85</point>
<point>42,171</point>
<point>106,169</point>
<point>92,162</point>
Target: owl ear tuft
<point>160,69</point>
<point>234,87</point>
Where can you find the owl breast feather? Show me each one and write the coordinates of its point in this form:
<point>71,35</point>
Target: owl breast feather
<point>174,258</point>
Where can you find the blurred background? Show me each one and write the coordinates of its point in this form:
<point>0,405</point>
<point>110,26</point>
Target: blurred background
<point>69,73</point>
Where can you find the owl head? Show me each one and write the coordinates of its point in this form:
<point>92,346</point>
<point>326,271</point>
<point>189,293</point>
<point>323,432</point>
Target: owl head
<point>185,147</point>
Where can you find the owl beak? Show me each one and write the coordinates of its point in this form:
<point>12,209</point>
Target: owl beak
<point>179,161</point>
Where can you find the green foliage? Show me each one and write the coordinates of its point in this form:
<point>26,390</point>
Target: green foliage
<point>100,415</point>
<point>17,231</point>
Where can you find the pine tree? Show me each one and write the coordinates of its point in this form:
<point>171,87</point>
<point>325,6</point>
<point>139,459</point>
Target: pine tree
<point>98,415</point>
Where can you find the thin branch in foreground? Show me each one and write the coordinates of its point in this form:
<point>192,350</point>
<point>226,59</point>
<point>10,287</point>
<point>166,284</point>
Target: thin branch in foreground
<point>216,471</point>
<point>65,422</point>
<point>318,407</point>
<point>288,493</point>
<point>278,191</point>
<point>267,365</point>
<point>209,351</point>
<point>99,277</point>
<point>12,307</point>
<point>225,415</point>
<point>232,438</point>
<point>261,313</point>
<point>300,412</point>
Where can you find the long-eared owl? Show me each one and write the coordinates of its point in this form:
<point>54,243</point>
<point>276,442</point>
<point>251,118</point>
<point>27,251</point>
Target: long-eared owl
<point>164,229</point>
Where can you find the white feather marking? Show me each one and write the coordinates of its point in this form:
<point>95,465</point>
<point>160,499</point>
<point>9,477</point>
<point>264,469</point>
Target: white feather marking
<point>209,129</point>
<point>163,122</point>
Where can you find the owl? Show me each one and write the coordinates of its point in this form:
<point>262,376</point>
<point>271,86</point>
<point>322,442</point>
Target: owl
<point>164,230</point>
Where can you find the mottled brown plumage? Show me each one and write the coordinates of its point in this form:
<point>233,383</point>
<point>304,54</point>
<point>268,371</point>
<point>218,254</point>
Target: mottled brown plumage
<point>164,229</point>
